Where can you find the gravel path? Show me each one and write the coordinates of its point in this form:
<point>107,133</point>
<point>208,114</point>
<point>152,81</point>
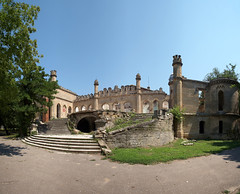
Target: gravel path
<point>26,169</point>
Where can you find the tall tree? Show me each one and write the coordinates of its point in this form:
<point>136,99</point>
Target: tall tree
<point>26,86</point>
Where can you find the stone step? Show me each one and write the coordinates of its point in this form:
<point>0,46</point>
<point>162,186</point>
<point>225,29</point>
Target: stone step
<point>63,146</point>
<point>67,143</point>
<point>64,142</point>
<point>64,137</point>
<point>57,126</point>
<point>87,151</point>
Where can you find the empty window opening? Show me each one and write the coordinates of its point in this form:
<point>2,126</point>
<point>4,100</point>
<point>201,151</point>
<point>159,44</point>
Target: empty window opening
<point>76,109</point>
<point>146,107</point>
<point>155,105</point>
<point>83,108</point>
<point>220,100</point>
<point>105,107</point>
<point>127,107</point>
<point>201,100</point>
<point>58,111</point>
<point>116,106</point>
<point>90,107</point>
<point>69,109</point>
<point>201,127</point>
<point>220,127</point>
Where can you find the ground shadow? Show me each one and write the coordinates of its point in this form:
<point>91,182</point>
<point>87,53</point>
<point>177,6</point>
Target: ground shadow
<point>8,150</point>
<point>231,155</point>
<point>231,151</point>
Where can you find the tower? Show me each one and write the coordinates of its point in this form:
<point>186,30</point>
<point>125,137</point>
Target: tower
<point>139,97</point>
<point>177,80</point>
<point>177,90</point>
<point>96,96</point>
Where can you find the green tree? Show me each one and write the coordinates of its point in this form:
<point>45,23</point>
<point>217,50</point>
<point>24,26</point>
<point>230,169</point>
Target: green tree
<point>229,72</point>
<point>26,86</point>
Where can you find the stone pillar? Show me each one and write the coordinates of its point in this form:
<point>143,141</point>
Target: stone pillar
<point>96,95</point>
<point>177,89</point>
<point>139,97</point>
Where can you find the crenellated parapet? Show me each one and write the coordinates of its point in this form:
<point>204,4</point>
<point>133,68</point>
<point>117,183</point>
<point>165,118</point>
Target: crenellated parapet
<point>84,97</point>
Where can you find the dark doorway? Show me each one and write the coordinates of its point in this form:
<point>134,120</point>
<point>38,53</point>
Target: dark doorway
<point>220,127</point>
<point>87,124</point>
<point>201,127</point>
<point>58,111</point>
<point>220,100</point>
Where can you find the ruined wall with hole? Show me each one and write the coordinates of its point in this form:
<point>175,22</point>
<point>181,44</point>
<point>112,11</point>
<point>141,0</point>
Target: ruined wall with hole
<point>153,133</point>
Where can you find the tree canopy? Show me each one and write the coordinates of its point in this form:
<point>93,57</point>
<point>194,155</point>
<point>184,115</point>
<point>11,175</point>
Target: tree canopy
<point>24,84</point>
<point>229,72</point>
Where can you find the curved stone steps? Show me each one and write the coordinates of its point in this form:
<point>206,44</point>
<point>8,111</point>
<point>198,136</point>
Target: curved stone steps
<point>62,139</point>
<point>65,142</point>
<point>76,144</point>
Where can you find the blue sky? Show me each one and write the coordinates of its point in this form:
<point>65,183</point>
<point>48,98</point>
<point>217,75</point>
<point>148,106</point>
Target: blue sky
<point>113,40</point>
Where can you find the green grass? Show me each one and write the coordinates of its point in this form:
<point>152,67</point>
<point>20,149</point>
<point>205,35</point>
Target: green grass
<point>173,151</point>
<point>123,122</point>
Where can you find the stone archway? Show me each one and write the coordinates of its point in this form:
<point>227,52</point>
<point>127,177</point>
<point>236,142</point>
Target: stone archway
<point>87,124</point>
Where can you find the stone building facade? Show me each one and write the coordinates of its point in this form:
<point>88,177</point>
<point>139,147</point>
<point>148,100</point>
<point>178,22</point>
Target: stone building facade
<point>130,98</point>
<point>210,108</point>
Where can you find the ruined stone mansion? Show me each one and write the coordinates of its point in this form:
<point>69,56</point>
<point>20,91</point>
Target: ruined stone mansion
<point>210,108</point>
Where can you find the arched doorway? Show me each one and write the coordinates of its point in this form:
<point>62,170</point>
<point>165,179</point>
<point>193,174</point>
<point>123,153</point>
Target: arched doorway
<point>155,105</point>
<point>58,111</point>
<point>86,124</point>
<point>127,107</point>
<point>146,107</point>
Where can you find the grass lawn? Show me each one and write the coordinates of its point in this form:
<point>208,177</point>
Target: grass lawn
<point>172,151</point>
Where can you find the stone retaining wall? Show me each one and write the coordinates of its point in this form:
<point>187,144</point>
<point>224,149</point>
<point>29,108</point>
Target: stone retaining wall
<point>154,133</point>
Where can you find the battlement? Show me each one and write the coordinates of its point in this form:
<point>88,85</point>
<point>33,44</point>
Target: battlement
<point>177,59</point>
<point>124,90</point>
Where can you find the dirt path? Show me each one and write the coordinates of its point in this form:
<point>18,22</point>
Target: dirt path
<point>26,169</point>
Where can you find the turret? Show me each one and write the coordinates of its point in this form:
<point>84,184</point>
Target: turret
<point>176,94</point>
<point>96,86</point>
<point>139,97</point>
<point>96,94</point>
<point>53,75</point>
<point>138,79</point>
<point>177,66</point>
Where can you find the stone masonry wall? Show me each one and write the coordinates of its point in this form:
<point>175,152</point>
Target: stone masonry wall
<point>154,133</point>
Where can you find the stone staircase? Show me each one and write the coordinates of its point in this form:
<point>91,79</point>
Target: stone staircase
<point>54,127</point>
<point>66,143</point>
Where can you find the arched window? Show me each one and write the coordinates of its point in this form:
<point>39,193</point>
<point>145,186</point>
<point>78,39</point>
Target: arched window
<point>155,105</point>
<point>201,127</point>
<point>83,108</point>
<point>127,107</point>
<point>76,109</point>
<point>165,105</point>
<point>69,109</point>
<point>58,111</point>
<point>220,127</point>
<point>146,107</point>
<point>116,106</point>
<point>90,107</point>
<point>105,106</point>
<point>220,100</point>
